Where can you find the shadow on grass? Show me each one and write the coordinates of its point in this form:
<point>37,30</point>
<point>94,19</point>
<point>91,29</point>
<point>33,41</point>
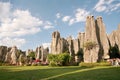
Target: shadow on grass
<point>17,73</point>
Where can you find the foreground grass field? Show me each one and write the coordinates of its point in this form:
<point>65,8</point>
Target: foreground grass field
<point>59,73</point>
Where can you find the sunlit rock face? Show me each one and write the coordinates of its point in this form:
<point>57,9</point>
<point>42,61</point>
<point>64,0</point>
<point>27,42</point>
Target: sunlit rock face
<point>58,45</point>
<point>102,36</point>
<point>13,52</point>
<point>91,36</point>
<point>41,53</point>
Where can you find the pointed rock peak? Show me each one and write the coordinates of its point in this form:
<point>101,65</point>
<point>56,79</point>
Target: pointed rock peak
<point>56,34</point>
<point>90,17</point>
<point>99,17</point>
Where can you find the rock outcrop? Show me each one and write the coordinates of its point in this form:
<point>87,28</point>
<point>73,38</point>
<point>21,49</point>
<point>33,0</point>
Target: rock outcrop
<point>13,52</point>
<point>58,45</point>
<point>81,37</point>
<point>8,55</point>
<point>102,37</point>
<point>3,52</point>
<point>91,36</point>
<point>114,37</point>
<point>41,53</point>
<point>95,33</point>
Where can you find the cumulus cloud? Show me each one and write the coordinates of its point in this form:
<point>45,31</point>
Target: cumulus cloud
<point>48,25</point>
<point>79,16</point>
<point>66,18</point>
<point>58,15</point>
<point>46,45</point>
<point>21,23</point>
<point>4,11</point>
<point>107,5</point>
<point>18,23</point>
<point>11,42</point>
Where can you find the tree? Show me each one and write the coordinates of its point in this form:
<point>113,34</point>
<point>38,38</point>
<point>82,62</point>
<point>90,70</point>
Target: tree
<point>114,52</point>
<point>90,45</point>
<point>32,54</point>
<point>59,59</point>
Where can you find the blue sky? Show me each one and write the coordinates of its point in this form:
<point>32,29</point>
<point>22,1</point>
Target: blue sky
<point>30,23</point>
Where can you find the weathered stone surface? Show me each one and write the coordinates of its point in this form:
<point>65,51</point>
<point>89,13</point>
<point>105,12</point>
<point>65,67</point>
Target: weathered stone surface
<point>13,52</point>
<point>58,45</point>
<point>3,52</point>
<point>102,36</point>
<point>38,55</point>
<point>91,36</point>
<point>114,37</point>
<point>8,55</point>
<point>81,37</point>
<point>76,49</point>
<point>42,53</point>
<point>70,45</point>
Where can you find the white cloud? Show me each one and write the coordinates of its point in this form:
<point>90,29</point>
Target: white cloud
<point>106,6</point>
<point>79,16</point>
<point>45,45</point>
<point>71,21</point>
<point>18,23</point>
<point>58,15</point>
<point>4,11</point>
<point>66,18</point>
<point>48,25</point>
<point>12,41</point>
<point>21,23</point>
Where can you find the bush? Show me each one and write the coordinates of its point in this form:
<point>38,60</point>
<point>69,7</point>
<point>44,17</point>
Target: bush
<point>82,64</point>
<point>62,59</point>
<point>52,63</point>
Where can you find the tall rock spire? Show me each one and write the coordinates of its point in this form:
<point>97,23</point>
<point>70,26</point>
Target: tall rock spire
<point>102,36</point>
<point>91,36</point>
<point>58,45</point>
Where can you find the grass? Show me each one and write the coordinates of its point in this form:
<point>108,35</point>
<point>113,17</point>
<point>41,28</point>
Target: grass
<point>59,73</point>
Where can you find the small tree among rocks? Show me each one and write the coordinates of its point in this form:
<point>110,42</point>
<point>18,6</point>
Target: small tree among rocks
<point>62,59</point>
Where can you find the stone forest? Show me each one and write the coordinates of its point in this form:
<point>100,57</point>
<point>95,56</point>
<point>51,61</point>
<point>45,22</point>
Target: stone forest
<point>91,46</point>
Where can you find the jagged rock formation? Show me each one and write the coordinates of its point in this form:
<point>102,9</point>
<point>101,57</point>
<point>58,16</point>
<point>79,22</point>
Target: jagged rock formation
<point>81,37</point>
<point>91,36</point>
<point>70,45</point>
<point>8,55</point>
<point>41,53</point>
<point>95,33</point>
<point>13,52</point>
<point>58,45</point>
<point>102,37</point>
<point>76,49</point>
<point>3,52</point>
<point>114,38</point>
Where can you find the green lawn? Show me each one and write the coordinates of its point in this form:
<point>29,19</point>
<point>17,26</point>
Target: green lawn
<point>59,73</point>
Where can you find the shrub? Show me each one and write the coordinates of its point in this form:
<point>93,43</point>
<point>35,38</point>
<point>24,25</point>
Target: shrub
<point>32,54</point>
<point>59,59</point>
<point>52,63</point>
<point>89,45</point>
